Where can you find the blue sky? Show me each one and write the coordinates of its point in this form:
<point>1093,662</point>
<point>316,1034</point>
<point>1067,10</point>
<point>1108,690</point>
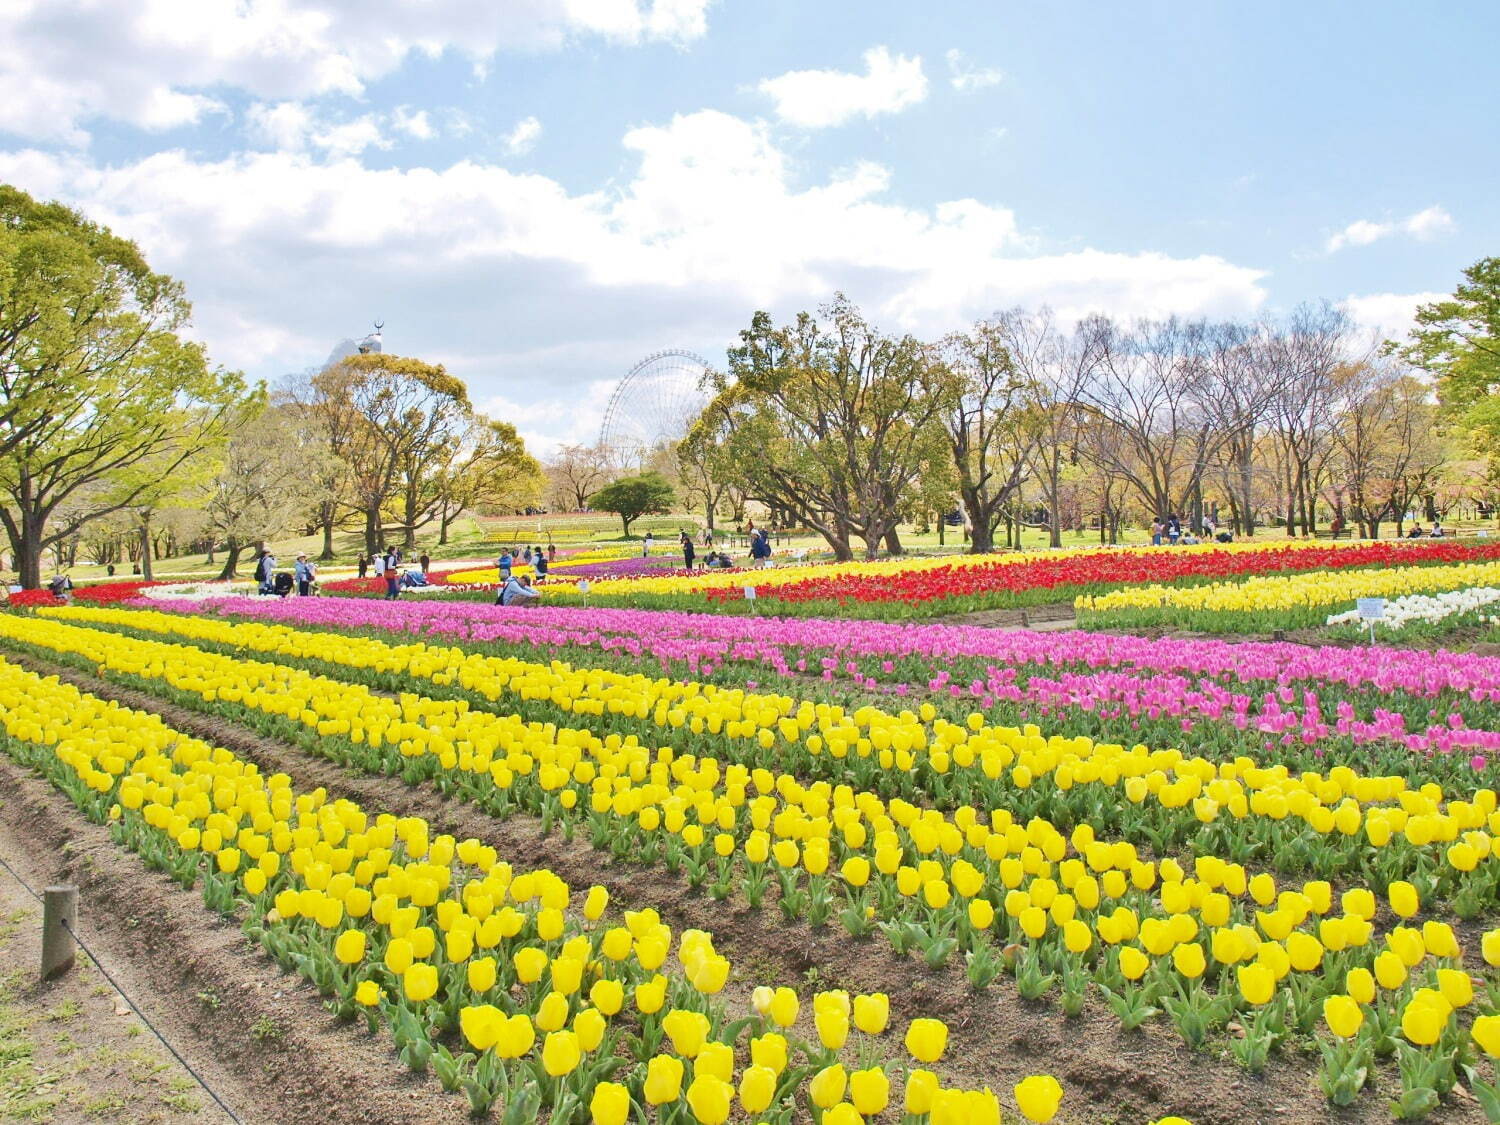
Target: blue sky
<point>537,194</point>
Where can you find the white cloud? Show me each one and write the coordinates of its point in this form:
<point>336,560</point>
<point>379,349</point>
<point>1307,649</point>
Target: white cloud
<point>814,99</point>
<point>284,125</point>
<point>487,269</point>
<point>1423,225</point>
<point>415,124</point>
<point>1389,316</point>
<point>522,139</point>
<point>148,62</point>
<point>965,76</point>
<point>294,127</point>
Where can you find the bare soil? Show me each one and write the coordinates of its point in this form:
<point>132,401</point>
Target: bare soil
<point>997,1038</point>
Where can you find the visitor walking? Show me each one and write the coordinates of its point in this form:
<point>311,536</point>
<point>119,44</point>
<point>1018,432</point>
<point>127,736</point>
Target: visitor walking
<point>303,573</point>
<point>646,545</point>
<point>363,564</point>
<point>551,552</point>
<point>688,551</point>
<point>424,562</point>
<point>1157,528</point>
<point>504,564</point>
<point>392,575</point>
<point>542,565</point>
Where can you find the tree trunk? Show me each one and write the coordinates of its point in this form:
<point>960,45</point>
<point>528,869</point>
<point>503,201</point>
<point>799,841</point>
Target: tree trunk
<point>232,551</point>
<point>25,531</point>
<point>981,537</point>
<point>372,531</point>
<point>893,541</point>
<point>146,549</point>
<point>327,552</point>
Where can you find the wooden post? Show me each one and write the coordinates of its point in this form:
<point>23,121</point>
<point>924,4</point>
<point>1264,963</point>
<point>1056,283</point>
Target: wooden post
<point>59,917</point>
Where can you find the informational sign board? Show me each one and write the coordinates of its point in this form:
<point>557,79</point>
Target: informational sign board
<point>583,585</point>
<point>750,593</point>
<point>1371,609</point>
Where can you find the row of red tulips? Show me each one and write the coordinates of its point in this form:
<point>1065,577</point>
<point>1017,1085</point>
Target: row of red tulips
<point>1070,573</point>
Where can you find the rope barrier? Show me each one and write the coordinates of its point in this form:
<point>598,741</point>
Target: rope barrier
<point>134,1007</point>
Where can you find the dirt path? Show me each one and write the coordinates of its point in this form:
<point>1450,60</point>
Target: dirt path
<point>997,1038</point>
<point>72,1048</point>
<point>1052,617</point>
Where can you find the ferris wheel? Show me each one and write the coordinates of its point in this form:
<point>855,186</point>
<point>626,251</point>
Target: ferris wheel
<point>654,405</point>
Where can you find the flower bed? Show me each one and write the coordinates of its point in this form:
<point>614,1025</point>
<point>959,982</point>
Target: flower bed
<point>1127,878</point>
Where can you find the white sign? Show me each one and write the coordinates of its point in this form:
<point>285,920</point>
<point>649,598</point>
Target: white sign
<point>749,593</point>
<point>1371,609</point>
<point>583,585</point>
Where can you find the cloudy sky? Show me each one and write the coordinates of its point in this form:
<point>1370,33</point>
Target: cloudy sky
<point>537,193</point>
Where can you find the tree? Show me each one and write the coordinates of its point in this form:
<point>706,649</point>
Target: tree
<point>1307,357</point>
<point>94,381</point>
<point>396,423</point>
<point>576,473</point>
<point>261,488</point>
<point>630,498</point>
<point>491,469</point>
<point>1458,340</point>
<point>979,418</point>
<point>830,422</point>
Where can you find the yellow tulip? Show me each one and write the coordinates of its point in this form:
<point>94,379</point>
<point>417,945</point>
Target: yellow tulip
<point>870,1090</point>
<point>926,1039</point>
<point>709,1099</point>
<point>420,982</point>
<point>1422,1024</point>
<point>367,993</point>
<point>610,1104</point>
<point>921,1089</point>
<point>832,1026</point>
<point>1257,983</point>
<point>1133,963</point>
<point>481,1025</point>
<point>783,1007</point>
<point>1403,898</point>
<point>769,1051</point>
<point>663,1079</point>
<point>757,1088</point>
<point>1343,1016</point>
<point>1486,1032</point>
<point>516,1038</point>
<point>350,947</point>
<point>1456,986</point>
<point>1188,959</point>
<point>872,1013</point>
<point>560,1053</point>
<point>1359,983</point>
<point>481,973</point>
<point>1038,1097</point>
<point>688,1031</point>
<point>827,1086</point>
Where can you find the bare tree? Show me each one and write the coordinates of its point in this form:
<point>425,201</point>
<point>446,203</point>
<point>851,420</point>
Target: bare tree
<point>576,473</point>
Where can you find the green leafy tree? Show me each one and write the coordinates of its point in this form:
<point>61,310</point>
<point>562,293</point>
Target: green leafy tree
<point>396,423</point>
<point>830,422</point>
<point>490,472</point>
<point>630,498</point>
<point>94,380</point>
<point>1458,340</point>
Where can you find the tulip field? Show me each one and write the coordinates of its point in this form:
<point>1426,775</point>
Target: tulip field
<point>836,870</point>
